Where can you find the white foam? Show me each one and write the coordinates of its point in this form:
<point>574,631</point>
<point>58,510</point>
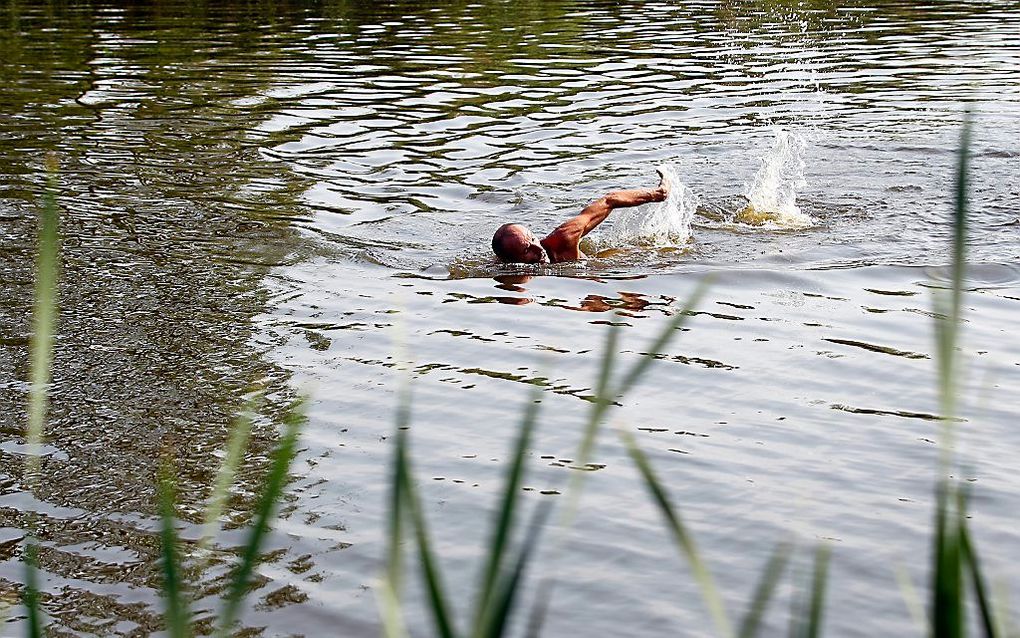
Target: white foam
<point>666,224</point>
<point>780,176</point>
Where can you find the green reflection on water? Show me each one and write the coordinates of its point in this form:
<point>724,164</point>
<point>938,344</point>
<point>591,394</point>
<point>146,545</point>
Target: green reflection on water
<point>171,219</point>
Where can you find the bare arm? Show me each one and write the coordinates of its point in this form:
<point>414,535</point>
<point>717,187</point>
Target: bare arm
<point>562,243</point>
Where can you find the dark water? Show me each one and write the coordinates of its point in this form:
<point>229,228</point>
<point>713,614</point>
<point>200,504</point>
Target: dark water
<point>301,198</point>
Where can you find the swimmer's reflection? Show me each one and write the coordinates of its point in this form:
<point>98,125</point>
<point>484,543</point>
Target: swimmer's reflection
<point>591,303</point>
<point>514,301</point>
<point>513,282</point>
<point>599,303</point>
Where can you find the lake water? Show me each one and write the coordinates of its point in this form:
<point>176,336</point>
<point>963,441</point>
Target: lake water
<point>302,200</point>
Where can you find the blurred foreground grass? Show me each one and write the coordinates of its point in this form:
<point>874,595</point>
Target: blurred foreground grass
<point>956,579</point>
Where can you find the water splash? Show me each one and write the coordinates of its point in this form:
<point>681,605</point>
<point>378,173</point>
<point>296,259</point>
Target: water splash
<point>772,196</point>
<point>667,224</point>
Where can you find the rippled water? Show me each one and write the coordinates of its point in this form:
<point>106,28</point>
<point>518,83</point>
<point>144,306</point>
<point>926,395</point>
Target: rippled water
<point>279,196</point>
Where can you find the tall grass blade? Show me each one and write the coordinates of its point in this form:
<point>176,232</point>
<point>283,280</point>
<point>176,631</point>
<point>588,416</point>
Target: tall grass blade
<point>763,592</point>
<point>178,615</point>
<point>392,616</point>
<point>496,619</point>
<point>507,507</point>
<point>1004,620</point>
<point>973,566</point>
<point>605,396</point>
<point>430,569</point>
<point>31,596</point>
<point>271,492</point>
<point>819,582</point>
<point>606,393</point>
<point>947,591</point>
<point>603,392</point>
<point>797,606</point>
<point>536,619</point>
<point>236,444</point>
<point>911,598</point>
<point>960,215</point>
<point>808,604</point>
<point>947,330</point>
<point>947,586</point>
<point>660,343</point>
<point>603,399</point>
<point>44,319</point>
<point>681,536</point>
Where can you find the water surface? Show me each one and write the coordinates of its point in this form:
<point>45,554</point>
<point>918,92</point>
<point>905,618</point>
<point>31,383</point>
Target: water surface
<point>279,197</point>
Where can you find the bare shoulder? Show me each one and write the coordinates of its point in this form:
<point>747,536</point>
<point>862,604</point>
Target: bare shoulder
<point>562,245</point>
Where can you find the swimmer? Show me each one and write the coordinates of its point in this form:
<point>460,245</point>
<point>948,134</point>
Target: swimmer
<point>514,243</point>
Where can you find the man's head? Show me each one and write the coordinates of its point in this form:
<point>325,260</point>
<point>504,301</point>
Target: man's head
<point>514,243</point>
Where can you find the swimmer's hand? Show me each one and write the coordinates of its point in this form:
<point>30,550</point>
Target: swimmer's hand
<point>662,192</point>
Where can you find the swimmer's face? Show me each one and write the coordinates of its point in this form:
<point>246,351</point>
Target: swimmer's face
<point>532,252</point>
<point>514,243</point>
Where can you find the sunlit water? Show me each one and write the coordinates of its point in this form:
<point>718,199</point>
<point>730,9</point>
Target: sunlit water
<point>303,199</point>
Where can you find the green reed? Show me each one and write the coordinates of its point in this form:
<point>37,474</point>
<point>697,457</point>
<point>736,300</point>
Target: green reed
<point>44,320</point>
<point>237,441</point>
<point>269,497</point>
<point>954,557</point>
<point>178,609</point>
<point>501,576</point>
<point>504,564</point>
<point>176,601</point>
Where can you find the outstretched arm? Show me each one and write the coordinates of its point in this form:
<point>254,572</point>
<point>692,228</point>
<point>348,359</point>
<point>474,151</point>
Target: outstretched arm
<point>562,243</point>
